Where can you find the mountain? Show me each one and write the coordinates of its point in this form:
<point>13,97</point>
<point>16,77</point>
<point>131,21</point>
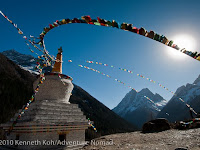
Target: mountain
<point>176,109</point>
<point>27,62</point>
<point>16,89</point>
<point>136,109</point>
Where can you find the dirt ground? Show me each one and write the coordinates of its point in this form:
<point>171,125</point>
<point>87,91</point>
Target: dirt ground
<point>166,140</point>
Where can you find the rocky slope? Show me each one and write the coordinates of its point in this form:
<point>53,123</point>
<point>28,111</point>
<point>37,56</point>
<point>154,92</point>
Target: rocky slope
<point>136,109</point>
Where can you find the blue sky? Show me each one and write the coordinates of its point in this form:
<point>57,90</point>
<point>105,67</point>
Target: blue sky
<point>115,47</point>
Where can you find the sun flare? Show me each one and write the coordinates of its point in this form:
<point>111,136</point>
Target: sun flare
<point>183,41</point>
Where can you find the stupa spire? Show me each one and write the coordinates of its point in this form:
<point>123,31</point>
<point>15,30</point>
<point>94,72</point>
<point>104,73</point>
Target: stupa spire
<point>58,64</point>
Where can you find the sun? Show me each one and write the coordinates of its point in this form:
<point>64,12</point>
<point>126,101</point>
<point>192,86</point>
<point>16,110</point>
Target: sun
<point>183,41</point>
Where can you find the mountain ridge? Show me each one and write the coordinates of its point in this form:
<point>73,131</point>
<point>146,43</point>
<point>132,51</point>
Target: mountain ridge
<point>178,110</point>
<point>136,109</point>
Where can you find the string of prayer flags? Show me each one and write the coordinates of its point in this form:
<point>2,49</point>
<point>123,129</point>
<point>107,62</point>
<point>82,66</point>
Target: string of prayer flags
<point>119,82</point>
<point>129,71</point>
<point>152,102</point>
<point>90,123</point>
<point>126,70</point>
<point>98,63</point>
<point>94,70</point>
<point>139,75</point>
<point>190,122</point>
<point>15,25</point>
<point>167,113</point>
<point>142,76</point>
<point>42,78</point>
<point>188,106</point>
<point>124,26</point>
<point>48,58</point>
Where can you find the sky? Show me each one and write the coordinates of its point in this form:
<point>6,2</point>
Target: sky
<point>176,19</point>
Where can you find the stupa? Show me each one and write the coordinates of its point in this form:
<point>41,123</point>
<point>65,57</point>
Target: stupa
<point>51,121</point>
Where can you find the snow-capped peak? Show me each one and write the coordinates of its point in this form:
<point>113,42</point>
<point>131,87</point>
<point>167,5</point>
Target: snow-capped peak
<point>189,91</point>
<point>133,101</point>
<point>137,109</point>
<point>20,59</point>
<point>26,62</point>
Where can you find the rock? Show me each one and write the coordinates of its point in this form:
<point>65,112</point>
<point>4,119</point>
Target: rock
<point>180,149</point>
<point>156,125</point>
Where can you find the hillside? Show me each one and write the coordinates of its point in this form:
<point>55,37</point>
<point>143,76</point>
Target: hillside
<point>15,88</point>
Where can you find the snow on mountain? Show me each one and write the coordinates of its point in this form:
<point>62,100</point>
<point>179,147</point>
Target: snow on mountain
<point>197,81</point>
<point>161,104</point>
<point>188,92</point>
<point>191,93</point>
<point>30,69</point>
<point>134,100</point>
<point>26,62</point>
<point>124,105</point>
<point>134,105</point>
<point>176,109</point>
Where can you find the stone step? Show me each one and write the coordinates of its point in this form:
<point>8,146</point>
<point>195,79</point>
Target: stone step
<point>55,103</point>
<point>52,105</point>
<point>56,117</point>
<point>37,111</point>
<point>61,121</point>
<point>46,110</point>
<point>64,117</point>
<point>54,113</point>
<point>49,116</point>
<point>56,108</point>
